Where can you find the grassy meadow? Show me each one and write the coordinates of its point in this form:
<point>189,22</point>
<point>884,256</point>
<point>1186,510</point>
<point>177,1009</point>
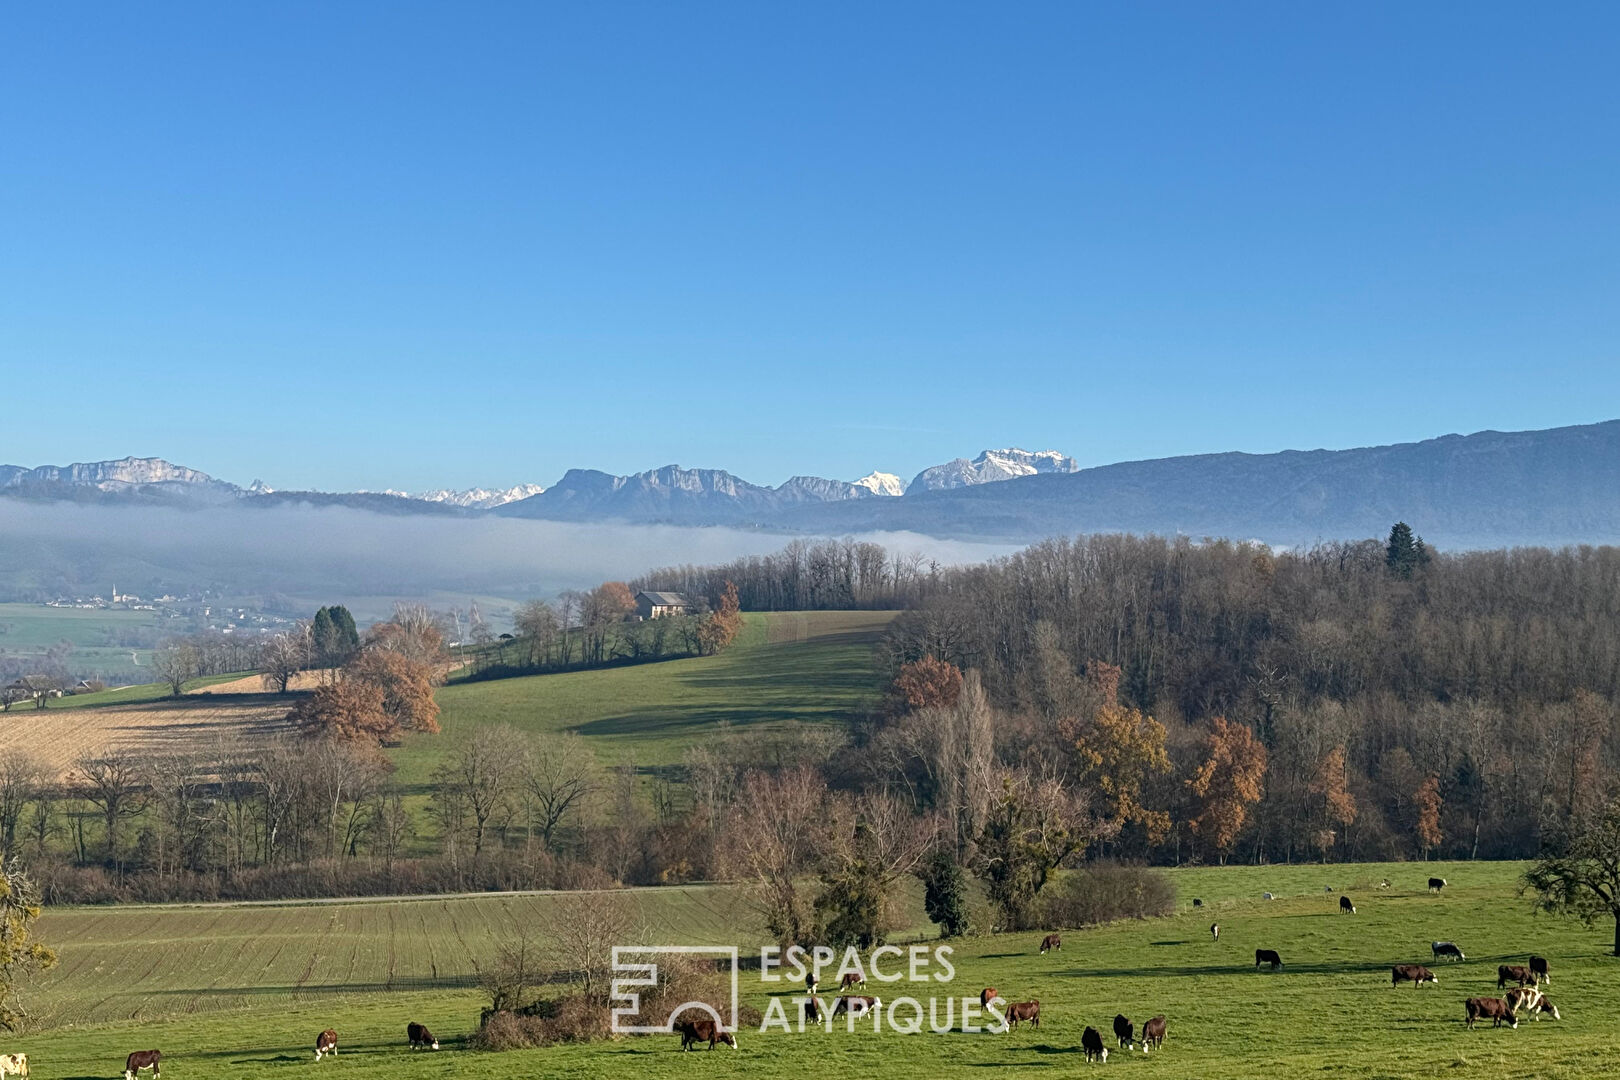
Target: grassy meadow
<point>785,668</point>
<point>231,990</point>
<point>113,642</point>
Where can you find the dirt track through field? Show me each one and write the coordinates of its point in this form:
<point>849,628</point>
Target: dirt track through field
<point>202,723</point>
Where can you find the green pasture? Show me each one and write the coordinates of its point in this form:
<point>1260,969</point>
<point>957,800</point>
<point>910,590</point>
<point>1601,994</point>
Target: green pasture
<point>233,990</point>
<point>784,669</point>
<point>103,640</point>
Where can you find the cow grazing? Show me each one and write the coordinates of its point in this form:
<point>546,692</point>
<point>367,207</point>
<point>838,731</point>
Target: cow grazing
<point>1523,1000</point>
<point>325,1043</point>
<point>1267,956</point>
<point>1345,906</point>
<point>854,978</point>
<point>13,1065</point>
<point>142,1059</point>
<point>1197,902</point>
<point>1538,968</point>
<point>1493,1009</point>
<point>1546,1006</point>
<point>1514,973</point>
<point>1384,884</point>
<point>987,995</point>
<point>1019,1011</point>
<point>1446,948</point>
<point>693,1032</point>
<point>1050,942</point>
<point>1436,884</point>
<point>850,1002</point>
<point>1267,896</point>
<point>1215,931</point>
<point>812,1009</point>
<point>810,984</point>
<point>1095,1050</point>
<point>420,1036</point>
<point>1412,973</point>
<point>1124,1031</point>
<point>1153,1034</point>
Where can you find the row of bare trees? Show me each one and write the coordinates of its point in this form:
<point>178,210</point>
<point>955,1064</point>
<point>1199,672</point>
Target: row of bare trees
<point>806,576</point>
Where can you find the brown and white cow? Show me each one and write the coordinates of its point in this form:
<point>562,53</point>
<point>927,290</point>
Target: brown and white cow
<point>325,1043</point>
<point>142,1059</point>
<point>850,1003</point>
<point>693,1032</point>
<point>1412,973</point>
<point>1538,968</point>
<point>1124,1031</point>
<point>1050,942</point>
<point>1522,1000</point>
<point>1267,956</point>
<point>1153,1034</point>
<point>987,995</point>
<point>853,978</point>
<point>1091,1039</point>
<point>1514,973</point>
<point>13,1065</point>
<point>1020,1011</point>
<point>1493,1009</point>
<point>420,1036</point>
<point>1545,1005</point>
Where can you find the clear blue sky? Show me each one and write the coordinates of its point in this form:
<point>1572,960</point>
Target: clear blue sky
<point>366,245</point>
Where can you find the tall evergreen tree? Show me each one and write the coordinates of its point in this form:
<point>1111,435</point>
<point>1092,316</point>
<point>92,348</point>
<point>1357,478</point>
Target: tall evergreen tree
<point>1404,553</point>
<point>323,636</point>
<point>343,622</point>
<point>945,895</point>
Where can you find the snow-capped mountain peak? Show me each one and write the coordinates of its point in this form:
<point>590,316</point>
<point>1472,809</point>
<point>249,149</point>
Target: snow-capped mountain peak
<point>882,483</point>
<point>991,466</point>
<point>478,498</point>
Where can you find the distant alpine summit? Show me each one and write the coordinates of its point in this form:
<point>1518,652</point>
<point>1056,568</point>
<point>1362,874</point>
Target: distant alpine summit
<point>473,498</point>
<point>1487,489</point>
<point>989,467</point>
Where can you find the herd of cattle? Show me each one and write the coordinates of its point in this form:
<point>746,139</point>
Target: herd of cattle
<point>1525,999</point>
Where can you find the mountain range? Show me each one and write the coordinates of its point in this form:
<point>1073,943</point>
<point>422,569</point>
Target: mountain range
<point>1555,486</point>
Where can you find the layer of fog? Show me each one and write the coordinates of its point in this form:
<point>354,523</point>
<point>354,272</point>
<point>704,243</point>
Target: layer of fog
<point>346,554</point>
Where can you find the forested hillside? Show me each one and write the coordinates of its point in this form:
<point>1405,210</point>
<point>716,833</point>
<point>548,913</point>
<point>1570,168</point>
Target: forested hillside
<point>1361,675</point>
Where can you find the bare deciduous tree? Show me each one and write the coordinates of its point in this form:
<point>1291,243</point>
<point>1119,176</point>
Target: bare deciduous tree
<point>559,775</point>
<point>112,780</point>
<point>775,835</point>
<point>476,786</point>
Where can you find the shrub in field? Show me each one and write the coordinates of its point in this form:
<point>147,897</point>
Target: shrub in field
<point>1105,892</point>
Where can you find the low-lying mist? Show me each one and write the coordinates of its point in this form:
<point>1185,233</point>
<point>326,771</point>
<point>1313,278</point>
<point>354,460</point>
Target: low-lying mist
<point>340,554</point>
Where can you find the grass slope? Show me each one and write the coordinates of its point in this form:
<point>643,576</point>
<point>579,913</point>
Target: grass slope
<point>101,638</point>
<point>785,668</point>
<point>1330,1012</point>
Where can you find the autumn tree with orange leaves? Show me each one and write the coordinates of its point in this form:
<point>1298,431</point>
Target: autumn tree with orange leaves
<point>1428,805</point>
<point>375,697</point>
<point>1227,784</point>
<point>1334,804</point>
<point>1118,752</point>
<point>723,625</point>
<point>929,683</point>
